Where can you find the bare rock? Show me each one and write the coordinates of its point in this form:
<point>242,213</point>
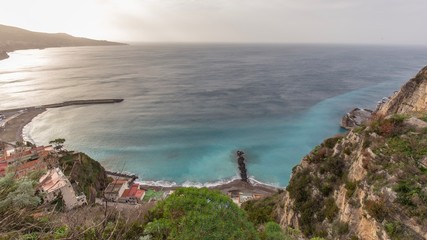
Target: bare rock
<point>412,97</point>
<point>355,117</point>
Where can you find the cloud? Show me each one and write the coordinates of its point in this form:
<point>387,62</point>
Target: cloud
<point>314,21</point>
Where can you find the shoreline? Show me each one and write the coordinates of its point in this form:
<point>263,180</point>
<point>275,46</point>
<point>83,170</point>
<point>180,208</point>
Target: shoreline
<point>12,131</point>
<point>224,185</point>
<point>18,118</point>
<point>11,128</point>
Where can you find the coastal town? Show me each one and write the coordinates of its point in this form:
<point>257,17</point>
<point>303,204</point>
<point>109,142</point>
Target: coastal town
<point>121,190</point>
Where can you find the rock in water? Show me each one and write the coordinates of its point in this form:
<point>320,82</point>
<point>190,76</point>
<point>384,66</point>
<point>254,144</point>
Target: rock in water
<point>242,166</point>
<point>355,118</point>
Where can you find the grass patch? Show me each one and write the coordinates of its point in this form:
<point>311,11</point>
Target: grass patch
<point>151,194</point>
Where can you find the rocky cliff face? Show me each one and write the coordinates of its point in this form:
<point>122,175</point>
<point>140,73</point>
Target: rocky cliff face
<point>412,97</point>
<point>86,174</point>
<point>370,183</point>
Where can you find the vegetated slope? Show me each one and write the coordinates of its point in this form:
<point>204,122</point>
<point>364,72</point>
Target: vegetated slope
<point>370,183</point>
<point>13,38</point>
<point>86,174</point>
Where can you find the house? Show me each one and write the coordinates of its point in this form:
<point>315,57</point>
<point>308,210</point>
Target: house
<point>24,160</point>
<point>133,195</point>
<point>235,196</point>
<point>30,166</point>
<point>239,197</point>
<point>115,189</point>
<point>54,183</point>
<point>246,196</point>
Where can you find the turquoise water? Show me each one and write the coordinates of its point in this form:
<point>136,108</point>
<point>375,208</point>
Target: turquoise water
<point>188,108</point>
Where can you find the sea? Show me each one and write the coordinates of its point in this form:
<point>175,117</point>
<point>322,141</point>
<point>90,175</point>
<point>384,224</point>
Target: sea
<point>188,108</point>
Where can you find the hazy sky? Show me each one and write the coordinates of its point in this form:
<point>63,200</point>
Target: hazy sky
<point>288,21</point>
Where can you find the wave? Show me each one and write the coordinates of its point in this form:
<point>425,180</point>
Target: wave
<point>26,136</point>
<point>168,184</point>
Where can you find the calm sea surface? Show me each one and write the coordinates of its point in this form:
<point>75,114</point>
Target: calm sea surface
<point>188,108</point>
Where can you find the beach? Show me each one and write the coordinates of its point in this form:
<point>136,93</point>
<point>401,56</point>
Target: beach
<point>15,121</point>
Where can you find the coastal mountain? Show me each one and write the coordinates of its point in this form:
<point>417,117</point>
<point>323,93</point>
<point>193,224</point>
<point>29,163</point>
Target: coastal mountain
<point>13,38</point>
<point>369,183</point>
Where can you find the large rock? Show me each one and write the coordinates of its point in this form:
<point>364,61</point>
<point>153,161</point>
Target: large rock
<point>412,97</point>
<point>355,117</point>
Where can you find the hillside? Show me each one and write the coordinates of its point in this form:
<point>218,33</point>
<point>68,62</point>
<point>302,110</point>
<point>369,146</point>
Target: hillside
<point>13,38</point>
<point>369,183</point>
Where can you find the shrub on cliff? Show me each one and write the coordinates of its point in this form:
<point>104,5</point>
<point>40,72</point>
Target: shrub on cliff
<point>192,213</point>
<point>88,173</point>
<point>261,211</point>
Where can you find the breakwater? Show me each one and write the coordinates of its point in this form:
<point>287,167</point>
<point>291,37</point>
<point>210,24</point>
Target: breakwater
<point>68,103</point>
<point>82,102</point>
<point>242,166</point>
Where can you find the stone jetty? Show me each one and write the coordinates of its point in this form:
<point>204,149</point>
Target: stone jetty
<point>242,166</point>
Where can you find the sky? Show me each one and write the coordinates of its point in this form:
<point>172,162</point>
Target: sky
<point>241,21</point>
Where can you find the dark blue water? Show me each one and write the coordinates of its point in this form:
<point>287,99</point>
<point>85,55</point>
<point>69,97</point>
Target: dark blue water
<point>188,108</point>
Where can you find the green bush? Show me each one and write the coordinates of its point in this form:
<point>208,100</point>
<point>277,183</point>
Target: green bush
<point>262,210</point>
<point>273,231</point>
<point>376,209</point>
<point>351,187</point>
<point>191,213</point>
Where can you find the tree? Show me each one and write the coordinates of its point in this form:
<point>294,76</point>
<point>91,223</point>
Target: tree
<point>191,213</point>
<point>273,231</point>
<point>17,194</point>
<point>58,144</point>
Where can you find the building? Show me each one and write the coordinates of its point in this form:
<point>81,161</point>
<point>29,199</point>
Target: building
<point>30,166</point>
<point>133,195</point>
<point>54,183</point>
<point>115,190</point>
<point>239,197</point>
<point>24,160</point>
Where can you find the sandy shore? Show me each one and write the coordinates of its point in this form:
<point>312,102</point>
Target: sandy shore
<point>17,118</point>
<point>235,185</point>
<point>12,130</point>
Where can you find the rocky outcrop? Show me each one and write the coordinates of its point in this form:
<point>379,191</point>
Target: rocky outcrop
<point>370,183</point>
<point>86,174</point>
<point>242,166</point>
<point>355,118</point>
<point>365,185</point>
<point>412,97</point>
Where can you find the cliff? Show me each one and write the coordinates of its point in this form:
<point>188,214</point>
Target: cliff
<point>412,97</point>
<point>370,183</point>
<point>12,38</point>
<point>86,174</point>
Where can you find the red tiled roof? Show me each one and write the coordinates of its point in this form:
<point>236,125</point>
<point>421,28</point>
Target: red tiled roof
<point>139,193</point>
<point>126,193</point>
<point>134,191</point>
<point>31,164</point>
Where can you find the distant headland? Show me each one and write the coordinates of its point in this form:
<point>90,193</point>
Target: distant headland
<point>13,38</point>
